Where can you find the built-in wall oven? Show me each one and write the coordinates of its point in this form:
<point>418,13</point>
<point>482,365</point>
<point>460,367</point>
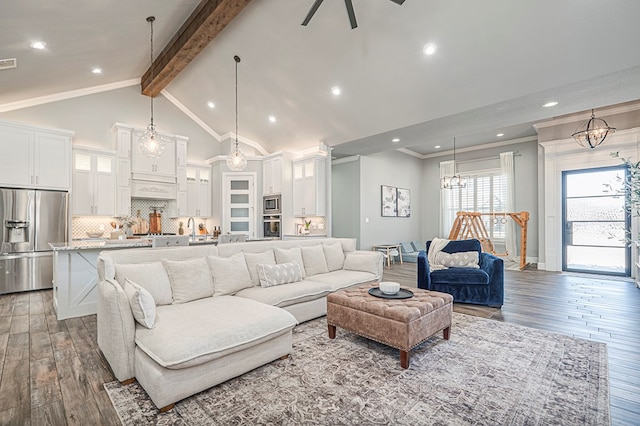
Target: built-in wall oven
<point>272,226</point>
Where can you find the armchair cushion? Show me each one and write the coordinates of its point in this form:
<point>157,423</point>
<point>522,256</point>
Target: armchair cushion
<point>466,276</point>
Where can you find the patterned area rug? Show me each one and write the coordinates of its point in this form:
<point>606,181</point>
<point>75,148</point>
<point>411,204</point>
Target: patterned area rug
<point>489,373</point>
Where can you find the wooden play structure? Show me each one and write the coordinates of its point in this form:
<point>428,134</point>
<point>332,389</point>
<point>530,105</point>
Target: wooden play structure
<point>470,225</point>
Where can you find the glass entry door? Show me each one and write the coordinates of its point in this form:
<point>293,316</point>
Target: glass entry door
<point>238,204</point>
<point>595,222</point>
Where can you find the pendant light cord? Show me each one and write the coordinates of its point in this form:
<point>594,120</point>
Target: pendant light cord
<point>237,59</point>
<point>151,19</point>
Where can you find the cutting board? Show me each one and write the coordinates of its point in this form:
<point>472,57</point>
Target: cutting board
<point>141,226</point>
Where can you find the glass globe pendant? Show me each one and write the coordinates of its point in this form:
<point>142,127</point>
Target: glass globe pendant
<point>236,159</point>
<point>150,144</point>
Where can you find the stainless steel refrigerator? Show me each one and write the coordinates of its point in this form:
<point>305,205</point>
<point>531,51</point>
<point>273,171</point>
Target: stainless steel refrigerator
<point>31,219</point>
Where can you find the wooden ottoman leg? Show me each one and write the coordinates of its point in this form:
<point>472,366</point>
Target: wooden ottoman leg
<point>404,359</point>
<point>332,331</point>
<point>446,333</point>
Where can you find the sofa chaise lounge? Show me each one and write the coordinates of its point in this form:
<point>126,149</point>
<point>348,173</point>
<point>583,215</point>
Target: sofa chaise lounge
<point>180,320</point>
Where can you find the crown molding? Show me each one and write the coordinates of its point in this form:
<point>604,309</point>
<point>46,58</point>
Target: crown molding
<point>41,100</point>
<point>483,146</point>
<point>411,153</point>
<point>343,160</point>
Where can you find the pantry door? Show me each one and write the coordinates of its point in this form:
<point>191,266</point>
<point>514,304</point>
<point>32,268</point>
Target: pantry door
<point>238,204</point>
<point>596,222</point>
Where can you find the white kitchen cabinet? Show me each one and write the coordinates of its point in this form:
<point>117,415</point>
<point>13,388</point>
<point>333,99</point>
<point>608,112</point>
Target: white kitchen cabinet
<point>32,157</point>
<point>123,186</point>
<point>162,169</point>
<point>198,191</point>
<point>309,183</point>
<point>94,184</point>
<point>272,176</point>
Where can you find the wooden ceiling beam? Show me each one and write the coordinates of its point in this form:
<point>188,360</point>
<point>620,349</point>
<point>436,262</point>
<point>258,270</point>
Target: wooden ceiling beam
<point>204,24</point>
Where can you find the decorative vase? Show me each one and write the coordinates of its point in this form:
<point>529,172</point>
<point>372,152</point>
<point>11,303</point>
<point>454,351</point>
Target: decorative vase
<point>180,229</point>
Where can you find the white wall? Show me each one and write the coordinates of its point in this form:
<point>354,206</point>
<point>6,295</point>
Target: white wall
<point>345,203</point>
<point>391,168</point>
<point>92,116</point>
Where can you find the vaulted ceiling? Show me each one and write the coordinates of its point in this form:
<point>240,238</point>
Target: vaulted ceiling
<point>497,62</point>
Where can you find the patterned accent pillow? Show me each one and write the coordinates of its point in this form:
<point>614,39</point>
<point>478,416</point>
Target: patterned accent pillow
<point>463,259</point>
<point>282,273</point>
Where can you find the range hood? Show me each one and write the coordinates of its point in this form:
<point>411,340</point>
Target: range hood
<point>153,190</point>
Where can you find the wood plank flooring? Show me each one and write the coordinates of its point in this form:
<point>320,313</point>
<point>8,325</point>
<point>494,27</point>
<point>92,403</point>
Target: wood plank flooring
<point>52,372</point>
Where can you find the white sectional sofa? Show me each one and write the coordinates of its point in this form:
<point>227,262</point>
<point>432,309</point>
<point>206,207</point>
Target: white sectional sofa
<point>180,320</point>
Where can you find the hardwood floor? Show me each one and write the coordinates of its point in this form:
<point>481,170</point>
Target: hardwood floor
<point>52,371</point>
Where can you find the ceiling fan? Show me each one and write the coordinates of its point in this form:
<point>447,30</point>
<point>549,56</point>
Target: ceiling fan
<point>350,12</point>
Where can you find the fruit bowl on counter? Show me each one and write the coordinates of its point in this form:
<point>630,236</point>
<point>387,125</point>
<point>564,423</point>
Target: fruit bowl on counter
<point>95,234</point>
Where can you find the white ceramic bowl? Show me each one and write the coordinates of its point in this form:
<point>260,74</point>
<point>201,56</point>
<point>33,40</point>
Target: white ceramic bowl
<point>95,234</point>
<point>388,287</point>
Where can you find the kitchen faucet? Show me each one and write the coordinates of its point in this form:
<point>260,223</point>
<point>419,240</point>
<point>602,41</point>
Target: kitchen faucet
<point>193,228</point>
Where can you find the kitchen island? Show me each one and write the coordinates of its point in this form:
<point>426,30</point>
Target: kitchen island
<point>75,277</point>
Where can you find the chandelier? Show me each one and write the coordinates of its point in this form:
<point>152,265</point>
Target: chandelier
<point>594,134</point>
<point>456,181</point>
<point>236,159</point>
<point>150,143</point>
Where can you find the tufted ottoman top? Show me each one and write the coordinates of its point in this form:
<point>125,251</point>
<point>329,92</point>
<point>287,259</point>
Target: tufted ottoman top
<point>403,310</point>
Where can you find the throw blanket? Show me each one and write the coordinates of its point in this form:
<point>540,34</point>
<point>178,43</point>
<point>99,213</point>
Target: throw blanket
<point>437,244</point>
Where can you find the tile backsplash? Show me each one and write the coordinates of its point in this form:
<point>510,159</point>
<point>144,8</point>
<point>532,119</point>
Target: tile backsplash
<point>80,225</point>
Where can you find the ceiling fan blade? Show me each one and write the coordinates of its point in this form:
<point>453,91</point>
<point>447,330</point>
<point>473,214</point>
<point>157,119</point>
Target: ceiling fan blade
<point>312,12</point>
<point>351,13</point>
<point>398,2</point>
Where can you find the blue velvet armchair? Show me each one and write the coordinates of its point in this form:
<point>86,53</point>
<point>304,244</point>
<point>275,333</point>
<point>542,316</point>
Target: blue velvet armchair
<point>484,286</point>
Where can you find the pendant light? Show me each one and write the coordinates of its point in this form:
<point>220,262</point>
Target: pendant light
<point>236,159</point>
<point>456,181</point>
<point>594,134</point>
<point>150,143</point>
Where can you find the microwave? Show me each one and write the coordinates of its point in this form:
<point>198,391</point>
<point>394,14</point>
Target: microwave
<point>271,204</point>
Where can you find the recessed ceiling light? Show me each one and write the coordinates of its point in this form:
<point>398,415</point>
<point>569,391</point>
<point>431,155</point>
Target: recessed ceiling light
<point>429,49</point>
<point>437,147</point>
<point>336,90</point>
<point>500,135</point>
<point>550,104</point>
<point>211,105</point>
<point>97,70</point>
<point>38,45</point>
<point>395,140</point>
<point>272,119</point>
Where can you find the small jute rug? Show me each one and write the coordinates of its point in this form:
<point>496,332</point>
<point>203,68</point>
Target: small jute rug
<point>489,373</point>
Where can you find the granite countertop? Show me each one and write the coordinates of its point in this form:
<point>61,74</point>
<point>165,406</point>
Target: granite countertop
<point>306,235</point>
<point>99,243</point>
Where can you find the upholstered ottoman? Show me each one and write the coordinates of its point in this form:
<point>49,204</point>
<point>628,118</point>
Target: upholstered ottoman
<point>399,323</point>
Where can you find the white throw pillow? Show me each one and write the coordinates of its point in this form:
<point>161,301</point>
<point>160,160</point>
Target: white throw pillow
<point>230,274</point>
<point>314,260</point>
<point>283,273</point>
<point>290,255</point>
<point>190,279</point>
<point>462,259</point>
<point>142,304</point>
<point>253,259</point>
<point>152,276</point>
<point>334,256</point>
<point>364,262</point>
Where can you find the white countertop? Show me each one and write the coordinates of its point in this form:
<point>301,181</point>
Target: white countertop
<point>100,243</point>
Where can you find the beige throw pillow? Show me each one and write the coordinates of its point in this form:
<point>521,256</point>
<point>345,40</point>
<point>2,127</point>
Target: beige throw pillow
<point>142,304</point>
<point>290,255</point>
<point>284,273</point>
<point>334,256</point>
<point>152,276</point>
<point>314,260</point>
<point>253,259</point>
<point>190,279</point>
<point>230,274</point>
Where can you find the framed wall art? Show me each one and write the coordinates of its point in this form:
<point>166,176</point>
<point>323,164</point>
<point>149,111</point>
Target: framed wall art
<point>403,198</point>
<point>388,200</point>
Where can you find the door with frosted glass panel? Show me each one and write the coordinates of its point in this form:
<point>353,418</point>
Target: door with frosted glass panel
<point>595,222</point>
<point>239,204</point>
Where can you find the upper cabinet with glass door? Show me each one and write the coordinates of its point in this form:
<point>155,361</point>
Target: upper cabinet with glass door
<point>309,185</point>
<point>94,183</point>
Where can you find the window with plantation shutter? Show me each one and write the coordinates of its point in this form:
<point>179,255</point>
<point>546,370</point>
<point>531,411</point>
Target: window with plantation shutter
<point>486,192</point>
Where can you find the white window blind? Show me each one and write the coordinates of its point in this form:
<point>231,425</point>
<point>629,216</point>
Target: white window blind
<point>486,192</point>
